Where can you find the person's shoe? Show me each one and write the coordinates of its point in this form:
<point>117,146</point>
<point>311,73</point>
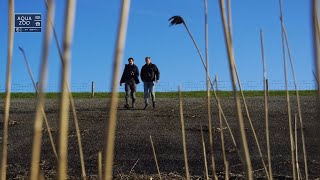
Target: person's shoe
<point>127,106</point>
<point>133,105</point>
<point>154,104</point>
<point>145,107</point>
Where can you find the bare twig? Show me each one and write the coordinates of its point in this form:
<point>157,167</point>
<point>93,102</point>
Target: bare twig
<point>134,165</point>
<point>111,124</point>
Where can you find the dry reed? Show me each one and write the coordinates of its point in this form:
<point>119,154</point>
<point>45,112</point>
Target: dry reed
<point>111,124</point>
<point>266,111</point>
<point>100,165</point>
<point>37,136</point>
<point>155,157</point>
<point>70,12</point>
<point>297,96</point>
<point>8,90</point>
<point>183,137</point>
<point>42,109</point>
<point>287,95</point>
<point>204,154</point>
<point>208,91</point>
<point>76,123</point>
<point>245,157</point>
<point>225,161</point>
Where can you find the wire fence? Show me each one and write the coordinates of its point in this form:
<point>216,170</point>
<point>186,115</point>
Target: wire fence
<point>166,86</point>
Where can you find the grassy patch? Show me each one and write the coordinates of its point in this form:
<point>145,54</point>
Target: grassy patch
<point>185,94</point>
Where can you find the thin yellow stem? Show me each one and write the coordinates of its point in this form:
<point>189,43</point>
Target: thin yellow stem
<point>8,90</point>
<point>64,98</point>
<point>37,136</point>
<point>155,157</point>
<point>111,124</point>
<point>287,95</point>
<point>266,105</point>
<point>245,157</point>
<point>184,138</point>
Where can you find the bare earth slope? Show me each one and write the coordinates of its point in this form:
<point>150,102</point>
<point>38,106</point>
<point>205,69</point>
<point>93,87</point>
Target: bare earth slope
<point>133,152</point>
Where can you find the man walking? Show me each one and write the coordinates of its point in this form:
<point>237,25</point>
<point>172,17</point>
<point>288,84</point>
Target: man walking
<point>130,77</point>
<point>149,74</point>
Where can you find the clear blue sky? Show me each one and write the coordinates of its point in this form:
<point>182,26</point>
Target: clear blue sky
<point>170,48</point>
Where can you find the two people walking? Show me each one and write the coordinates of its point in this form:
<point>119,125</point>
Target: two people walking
<point>130,76</point>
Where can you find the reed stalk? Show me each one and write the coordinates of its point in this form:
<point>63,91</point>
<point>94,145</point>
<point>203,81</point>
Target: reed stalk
<point>155,157</point>
<point>316,39</point>
<point>37,135</point>
<point>208,91</point>
<point>76,122</point>
<point>245,157</point>
<point>183,137</point>
<point>266,111</point>
<point>297,95</point>
<point>42,109</point>
<point>225,161</point>
<point>100,165</point>
<point>111,124</point>
<point>296,145</point>
<point>204,154</point>
<point>70,12</point>
<point>8,90</point>
<point>179,20</point>
<point>287,95</point>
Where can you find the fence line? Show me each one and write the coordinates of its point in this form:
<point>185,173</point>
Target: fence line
<point>166,86</point>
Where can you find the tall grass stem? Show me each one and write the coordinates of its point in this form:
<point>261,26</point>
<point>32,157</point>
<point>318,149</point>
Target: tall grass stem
<point>245,156</point>
<point>37,135</point>
<point>155,157</point>
<point>184,137</point>
<point>8,89</point>
<point>287,95</point>
<point>111,124</point>
<point>70,12</point>
<point>266,110</point>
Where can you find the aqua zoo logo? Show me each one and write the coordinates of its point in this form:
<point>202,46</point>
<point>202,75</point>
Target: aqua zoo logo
<point>28,22</point>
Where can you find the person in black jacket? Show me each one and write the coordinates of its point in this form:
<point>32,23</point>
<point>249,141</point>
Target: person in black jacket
<point>130,77</point>
<point>149,74</point>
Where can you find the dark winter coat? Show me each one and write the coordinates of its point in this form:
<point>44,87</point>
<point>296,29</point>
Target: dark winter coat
<point>130,72</point>
<point>150,73</point>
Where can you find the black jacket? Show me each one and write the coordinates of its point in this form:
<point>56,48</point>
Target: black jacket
<point>150,73</point>
<point>130,72</point>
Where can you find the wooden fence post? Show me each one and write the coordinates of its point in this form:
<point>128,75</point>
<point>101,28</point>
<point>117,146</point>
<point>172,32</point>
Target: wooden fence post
<point>37,89</point>
<point>267,87</point>
<point>92,89</point>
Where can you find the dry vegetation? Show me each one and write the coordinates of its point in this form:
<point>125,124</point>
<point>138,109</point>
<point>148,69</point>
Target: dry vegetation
<point>238,132</point>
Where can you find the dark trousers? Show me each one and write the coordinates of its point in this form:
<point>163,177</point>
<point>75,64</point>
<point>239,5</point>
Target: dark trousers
<point>130,88</point>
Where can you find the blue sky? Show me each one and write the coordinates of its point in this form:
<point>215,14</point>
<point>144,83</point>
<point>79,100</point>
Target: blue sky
<point>170,48</point>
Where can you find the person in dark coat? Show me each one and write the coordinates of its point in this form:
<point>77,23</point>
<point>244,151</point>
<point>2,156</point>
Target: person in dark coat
<point>130,77</point>
<point>149,74</point>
